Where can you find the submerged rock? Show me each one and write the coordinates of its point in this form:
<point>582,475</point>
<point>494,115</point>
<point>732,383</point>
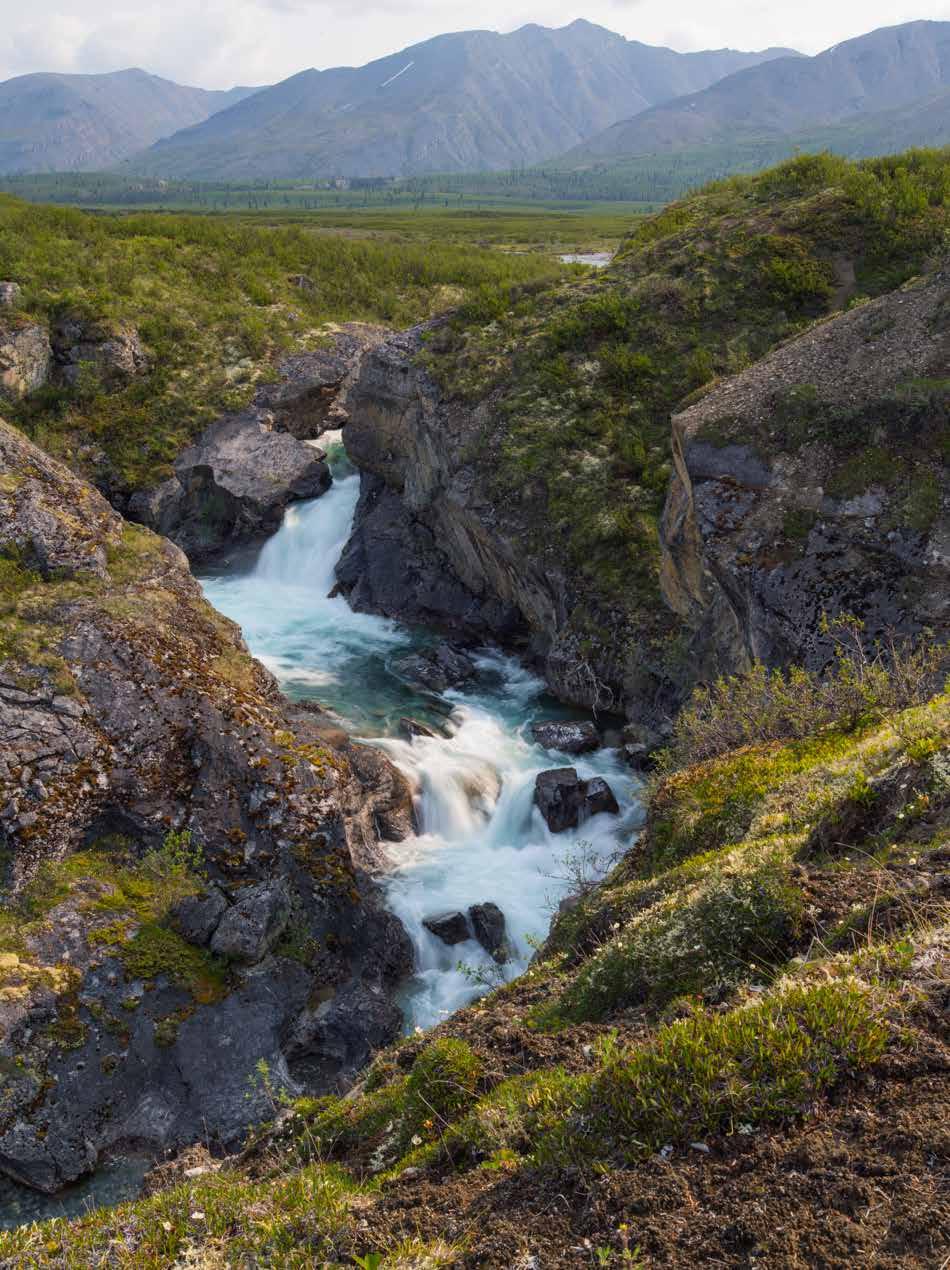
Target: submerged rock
<point>488,923</point>
<point>568,737</point>
<point>232,485</point>
<point>410,728</point>
<point>451,928</point>
<point>437,669</point>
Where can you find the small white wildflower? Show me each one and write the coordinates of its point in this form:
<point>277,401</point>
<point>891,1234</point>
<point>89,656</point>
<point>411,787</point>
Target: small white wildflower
<point>416,1140</point>
<point>197,1215</point>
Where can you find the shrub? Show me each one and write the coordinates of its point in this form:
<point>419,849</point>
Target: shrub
<point>439,1088</point>
<point>735,925</point>
<point>862,685</point>
<point>719,1073</point>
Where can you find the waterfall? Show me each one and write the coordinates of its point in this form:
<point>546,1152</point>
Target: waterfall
<point>480,837</point>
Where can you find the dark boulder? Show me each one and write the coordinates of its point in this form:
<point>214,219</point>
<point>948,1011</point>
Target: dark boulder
<point>250,929</point>
<point>563,798</point>
<point>559,794</point>
<point>410,728</point>
<point>488,923</point>
<point>599,797</point>
<point>569,738</point>
<point>196,917</point>
<point>437,668</point>
<point>451,928</point>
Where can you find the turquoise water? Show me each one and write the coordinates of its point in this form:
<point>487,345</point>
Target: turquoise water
<point>480,837</point>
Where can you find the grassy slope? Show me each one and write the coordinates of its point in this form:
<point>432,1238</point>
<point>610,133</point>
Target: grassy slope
<point>213,302</point>
<point>583,377</point>
<point>761,974</point>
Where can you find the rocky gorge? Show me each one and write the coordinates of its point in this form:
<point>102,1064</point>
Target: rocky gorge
<point>203,919</point>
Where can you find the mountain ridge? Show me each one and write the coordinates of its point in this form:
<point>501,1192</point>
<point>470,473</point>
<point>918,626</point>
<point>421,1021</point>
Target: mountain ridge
<point>462,101</point>
<point>890,68</point>
<point>54,122</point>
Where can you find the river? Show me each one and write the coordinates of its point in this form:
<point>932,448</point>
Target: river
<point>480,837</point>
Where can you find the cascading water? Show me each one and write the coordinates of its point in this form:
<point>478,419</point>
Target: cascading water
<point>480,839</point>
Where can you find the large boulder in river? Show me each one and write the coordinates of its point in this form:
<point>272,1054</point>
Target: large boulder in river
<point>563,798</point>
<point>147,760</point>
<point>436,668</point>
<point>451,928</point>
<point>488,923</point>
<point>559,795</point>
<point>232,485</point>
<point>567,737</point>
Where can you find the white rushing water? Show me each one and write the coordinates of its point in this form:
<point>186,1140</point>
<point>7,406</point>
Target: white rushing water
<point>480,839</point>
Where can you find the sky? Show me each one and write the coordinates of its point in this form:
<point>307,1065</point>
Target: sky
<point>220,43</point>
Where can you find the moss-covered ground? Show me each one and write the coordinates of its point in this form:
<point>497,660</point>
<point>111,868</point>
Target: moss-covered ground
<point>214,303</point>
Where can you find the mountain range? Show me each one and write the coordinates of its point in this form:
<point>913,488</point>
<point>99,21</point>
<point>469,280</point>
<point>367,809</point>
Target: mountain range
<point>580,98</point>
<point>55,123</point>
<point>888,82</point>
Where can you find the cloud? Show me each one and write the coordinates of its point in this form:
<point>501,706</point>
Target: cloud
<point>218,43</point>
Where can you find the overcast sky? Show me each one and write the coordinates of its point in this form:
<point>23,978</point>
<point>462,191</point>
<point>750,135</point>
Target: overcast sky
<point>219,43</point>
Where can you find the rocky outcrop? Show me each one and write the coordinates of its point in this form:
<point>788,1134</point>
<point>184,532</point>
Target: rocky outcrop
<point>9,295</point>
<point>308,398</point>
<point>111,351</point>
<point>232,485</point>
<point>437,668</point>
<point>435,522</point>
<point>814,483</point>
<point>25,358</point>
<point>187,890</point>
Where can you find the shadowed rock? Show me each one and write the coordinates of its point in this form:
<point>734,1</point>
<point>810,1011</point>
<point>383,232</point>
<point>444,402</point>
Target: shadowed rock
<point>250,929</point>
<point>488,923</point>
<point>569,738</point>
<point>451,928</point>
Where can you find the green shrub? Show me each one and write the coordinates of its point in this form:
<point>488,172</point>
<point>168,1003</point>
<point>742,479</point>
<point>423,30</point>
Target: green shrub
<point>440,1088</point>
<point>735,925</point>
<point>712,1074</point>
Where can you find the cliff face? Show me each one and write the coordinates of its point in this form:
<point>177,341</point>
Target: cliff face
<point>187,854</point>
<point>816,482</point>
<point>433,544</point>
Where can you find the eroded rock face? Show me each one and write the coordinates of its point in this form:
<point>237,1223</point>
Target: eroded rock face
<point>128,707</point>
<point>309,397</point>
<point>25,358</point>
<point>813,484</point>
<point>113,352</point>
<point>232,485</point>
<point>9,295</point>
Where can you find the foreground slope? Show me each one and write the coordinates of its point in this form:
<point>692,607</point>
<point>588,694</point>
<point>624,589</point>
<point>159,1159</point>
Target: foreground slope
<point>57,123</point>
<point>446,105</point>
<point>735,1047</point>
